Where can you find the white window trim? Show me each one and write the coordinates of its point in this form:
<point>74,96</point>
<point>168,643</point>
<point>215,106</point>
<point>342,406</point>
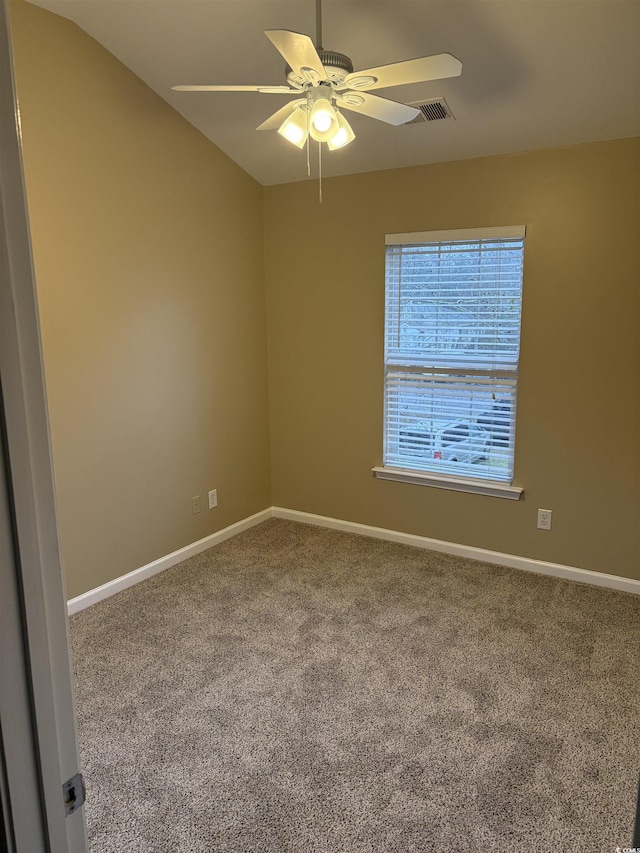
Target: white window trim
<point>444,481</point>
<point>454,484</point>
<point>462,234</point>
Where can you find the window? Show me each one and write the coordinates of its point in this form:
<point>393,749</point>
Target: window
<point>452,340</point>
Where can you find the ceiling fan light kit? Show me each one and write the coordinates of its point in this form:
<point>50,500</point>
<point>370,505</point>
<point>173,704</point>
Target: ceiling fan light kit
<point>318,118</point>
<point>327,82</point>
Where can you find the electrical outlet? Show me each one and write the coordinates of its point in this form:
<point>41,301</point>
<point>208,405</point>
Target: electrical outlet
<point>544,519</point>
<point>195,505</point>
<point>213,498</point>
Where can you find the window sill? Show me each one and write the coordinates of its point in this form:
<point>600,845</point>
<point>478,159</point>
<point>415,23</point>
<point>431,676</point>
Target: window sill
<point>456,484</point>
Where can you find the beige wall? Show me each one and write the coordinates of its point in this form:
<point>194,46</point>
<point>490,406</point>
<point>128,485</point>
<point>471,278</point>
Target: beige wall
<point>578,432</point>
<point>148,246</point>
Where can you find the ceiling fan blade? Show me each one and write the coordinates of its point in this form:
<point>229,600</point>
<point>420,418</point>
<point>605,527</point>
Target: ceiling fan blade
<point>274,121</point>
<point>267,90</point>
<point>374,106</point>
<point>299,52</point>
<point>410,71</point>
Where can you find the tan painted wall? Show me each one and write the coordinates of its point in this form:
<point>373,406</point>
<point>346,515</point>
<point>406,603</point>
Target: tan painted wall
<point>150,274</point>
<point>149,258</point>
<point>578,432</point>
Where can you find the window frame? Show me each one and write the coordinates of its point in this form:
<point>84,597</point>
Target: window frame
<point>420,476</point>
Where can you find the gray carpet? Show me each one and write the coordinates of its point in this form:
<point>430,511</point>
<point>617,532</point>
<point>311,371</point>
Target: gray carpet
<point>300,689</point>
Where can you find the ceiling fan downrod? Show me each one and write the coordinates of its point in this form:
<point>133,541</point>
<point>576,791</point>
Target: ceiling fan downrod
<point>319,25</point>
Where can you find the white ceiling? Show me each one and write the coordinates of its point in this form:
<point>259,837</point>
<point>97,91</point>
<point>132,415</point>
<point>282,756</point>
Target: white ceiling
<point>537,73</point>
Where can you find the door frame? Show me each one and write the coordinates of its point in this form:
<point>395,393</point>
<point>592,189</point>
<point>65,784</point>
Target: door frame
<point>38,749</point>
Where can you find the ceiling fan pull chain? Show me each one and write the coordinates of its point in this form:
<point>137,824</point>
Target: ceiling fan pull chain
<point>308,145</point>
<point>320,170</point>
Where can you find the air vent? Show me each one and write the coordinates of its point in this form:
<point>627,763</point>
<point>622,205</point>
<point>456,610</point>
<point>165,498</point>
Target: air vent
<point>434,110</point>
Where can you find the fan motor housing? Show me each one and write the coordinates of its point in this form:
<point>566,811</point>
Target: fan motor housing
<point>336,65</point>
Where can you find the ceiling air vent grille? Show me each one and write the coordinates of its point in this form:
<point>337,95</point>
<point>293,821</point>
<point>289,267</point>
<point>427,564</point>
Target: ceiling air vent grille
<point>433,110</point>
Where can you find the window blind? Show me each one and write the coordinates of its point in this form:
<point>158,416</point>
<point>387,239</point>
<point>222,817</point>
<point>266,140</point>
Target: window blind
<point>452,340</point>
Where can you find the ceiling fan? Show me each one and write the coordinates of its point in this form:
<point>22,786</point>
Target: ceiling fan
<point>326,83</point>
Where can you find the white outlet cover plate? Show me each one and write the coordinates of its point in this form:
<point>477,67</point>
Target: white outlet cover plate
<point>544,519</point>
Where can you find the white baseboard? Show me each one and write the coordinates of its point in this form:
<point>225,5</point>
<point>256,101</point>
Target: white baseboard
<point>93,596</point>
<point>555,570</point>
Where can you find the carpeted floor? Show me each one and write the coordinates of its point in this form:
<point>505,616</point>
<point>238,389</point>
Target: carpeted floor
<point>299,689</point>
